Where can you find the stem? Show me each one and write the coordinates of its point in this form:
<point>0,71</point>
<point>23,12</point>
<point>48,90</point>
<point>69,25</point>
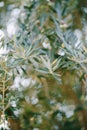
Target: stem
<point>3,102</point>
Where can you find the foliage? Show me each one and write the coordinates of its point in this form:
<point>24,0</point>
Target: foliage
<point>43,75</point>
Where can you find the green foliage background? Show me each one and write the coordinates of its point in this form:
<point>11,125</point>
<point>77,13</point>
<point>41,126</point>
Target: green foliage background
<point>43,76</point>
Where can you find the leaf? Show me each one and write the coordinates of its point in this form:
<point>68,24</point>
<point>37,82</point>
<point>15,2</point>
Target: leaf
<point>28,50</point>
<point>43,71</point>
<point>44,61</point>
<point>32,51</point>
<point>57,77</point>
<point>84,48</point>
<point>56,65</point>
<point>14,62</point>
<point>24,70</point>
